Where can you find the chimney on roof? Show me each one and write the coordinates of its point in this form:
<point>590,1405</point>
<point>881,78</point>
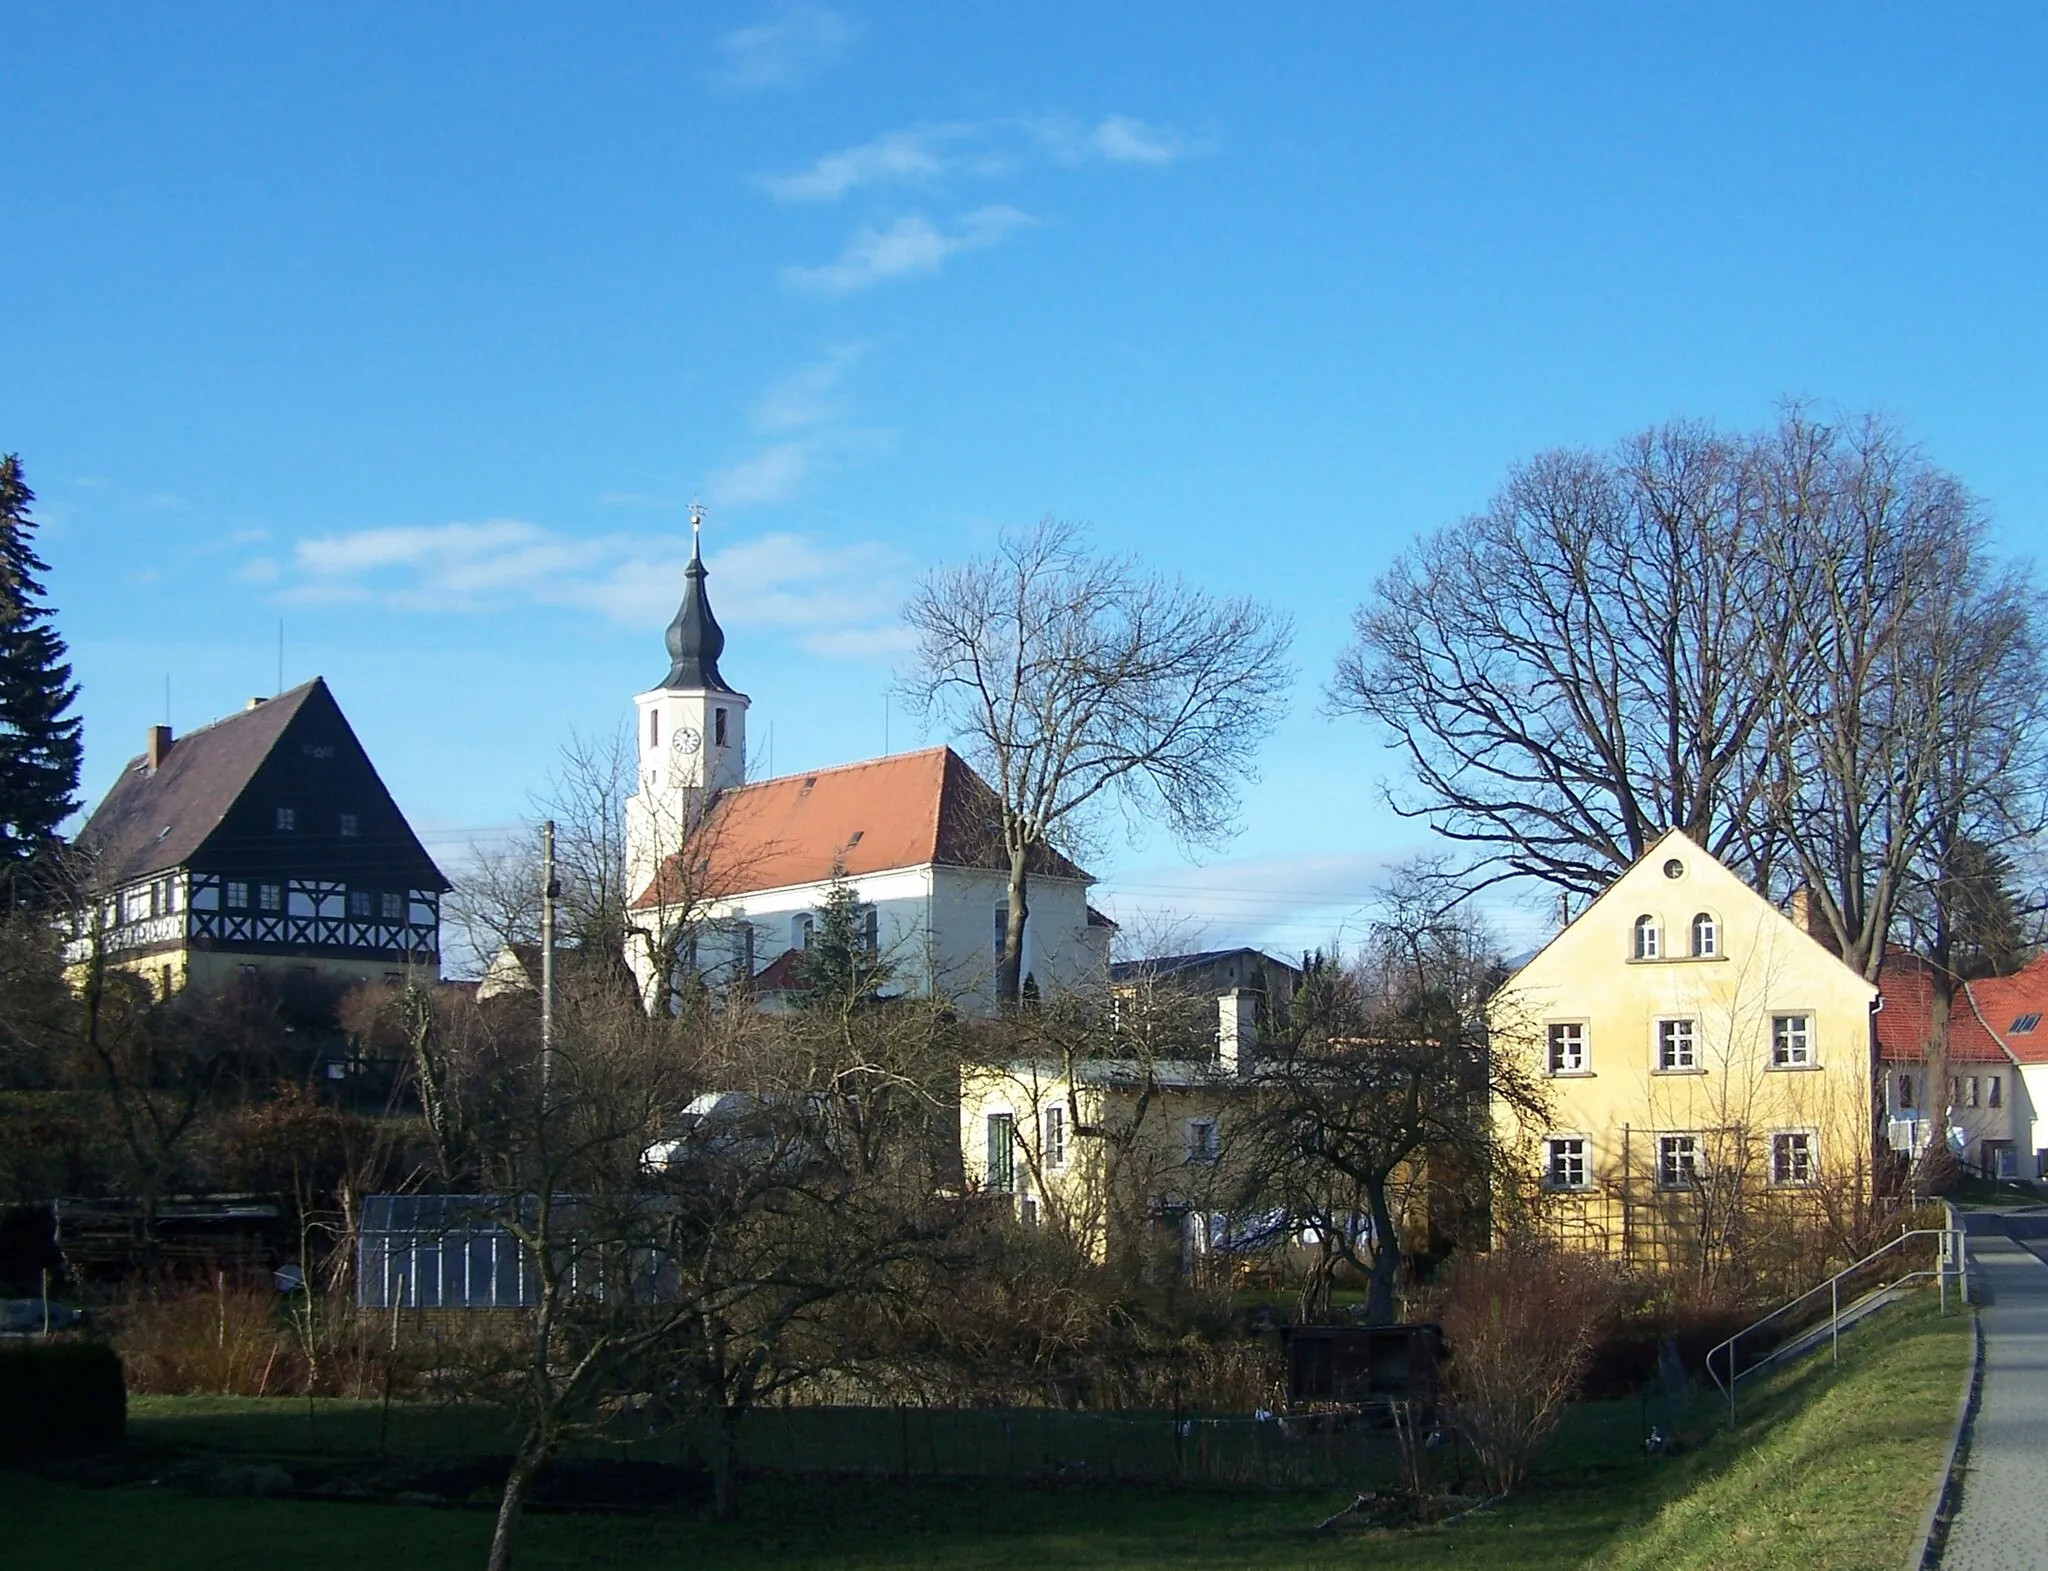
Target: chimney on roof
<point>1237,1032</point>
<point>255,703</point>
<point>159,746</point>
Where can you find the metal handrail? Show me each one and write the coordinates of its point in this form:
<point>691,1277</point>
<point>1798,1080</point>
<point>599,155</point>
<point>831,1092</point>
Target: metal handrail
<point>1952,1256</point>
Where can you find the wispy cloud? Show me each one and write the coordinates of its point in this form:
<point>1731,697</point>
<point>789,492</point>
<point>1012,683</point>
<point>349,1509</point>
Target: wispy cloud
<point>911,247</point>
<point>794,44</point>
<point>1122,140</point>
<point>927,155</point>
<point>771,475</point>
<point>919,155</point>
<point>838,598</point>
<point>802,414</point>
<point>806,397</point>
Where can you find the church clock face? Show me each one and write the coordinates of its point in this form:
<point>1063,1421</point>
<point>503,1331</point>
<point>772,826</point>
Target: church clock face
<point>686,742</point>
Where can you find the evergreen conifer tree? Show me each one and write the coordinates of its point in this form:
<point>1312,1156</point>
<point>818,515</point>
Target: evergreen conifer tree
<point>842,968</point>
<point>39,735</point>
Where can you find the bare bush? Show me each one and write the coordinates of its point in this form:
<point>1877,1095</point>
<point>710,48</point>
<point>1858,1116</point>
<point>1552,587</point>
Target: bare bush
<point>1522,1324</point>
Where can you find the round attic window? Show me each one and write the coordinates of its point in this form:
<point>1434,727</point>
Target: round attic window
<point>1674,868</point>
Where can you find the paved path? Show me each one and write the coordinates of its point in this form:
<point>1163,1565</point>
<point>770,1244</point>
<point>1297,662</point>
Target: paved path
<point>2002,1521</point>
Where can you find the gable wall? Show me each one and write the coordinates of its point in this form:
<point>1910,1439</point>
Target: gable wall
<point>1735,1099</point>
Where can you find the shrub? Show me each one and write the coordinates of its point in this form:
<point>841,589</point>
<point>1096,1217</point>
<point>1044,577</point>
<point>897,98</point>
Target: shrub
<point>60,1398</point>
<point>1522,1324</point>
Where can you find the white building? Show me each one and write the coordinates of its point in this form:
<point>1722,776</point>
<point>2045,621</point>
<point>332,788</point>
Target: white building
<point>730,873</point>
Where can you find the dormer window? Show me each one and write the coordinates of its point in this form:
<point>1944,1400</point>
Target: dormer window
<point>1706,937</point>
<point>287,819</point>
<point>351,826</point>
<point>1647,945</point>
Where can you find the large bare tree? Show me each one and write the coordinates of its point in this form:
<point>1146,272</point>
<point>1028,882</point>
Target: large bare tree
<point>1582,666</point>
<point>1080,683</point>
<point>1795,646</point>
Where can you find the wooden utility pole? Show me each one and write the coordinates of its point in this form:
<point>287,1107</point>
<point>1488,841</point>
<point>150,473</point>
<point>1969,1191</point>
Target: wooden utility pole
<point>549,889</point>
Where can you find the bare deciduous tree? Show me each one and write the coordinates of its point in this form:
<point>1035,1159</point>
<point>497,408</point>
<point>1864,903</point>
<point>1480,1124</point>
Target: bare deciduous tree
<point>1794,646</point>
<point>1078,682</point>
<point>1384,1084</point>
<point>1583,665</point>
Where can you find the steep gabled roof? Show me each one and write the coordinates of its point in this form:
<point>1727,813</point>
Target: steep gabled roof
<point>198,801</point>
<point>907,810</point>
<point>153,820</point>
<point>2013,1010</point>
<point>1906,984</point>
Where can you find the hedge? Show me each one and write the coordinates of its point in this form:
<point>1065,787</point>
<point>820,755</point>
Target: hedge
<point>60,1398</point>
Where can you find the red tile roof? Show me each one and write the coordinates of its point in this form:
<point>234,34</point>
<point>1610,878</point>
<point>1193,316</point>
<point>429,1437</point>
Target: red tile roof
<point>2006,1002</point>
<point>907,810</point>
<point>1904,1024</point>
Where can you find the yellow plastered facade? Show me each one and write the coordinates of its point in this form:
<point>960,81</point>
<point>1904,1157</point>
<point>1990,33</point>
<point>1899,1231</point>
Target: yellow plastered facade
<point>1776,1097</point>
<point>1097,1156</point>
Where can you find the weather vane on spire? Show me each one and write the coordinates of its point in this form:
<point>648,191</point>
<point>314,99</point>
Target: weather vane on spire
<point>696,523</point>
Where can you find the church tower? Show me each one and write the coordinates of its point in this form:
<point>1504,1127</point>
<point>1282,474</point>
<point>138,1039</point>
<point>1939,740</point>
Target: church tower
<point>692,731</point>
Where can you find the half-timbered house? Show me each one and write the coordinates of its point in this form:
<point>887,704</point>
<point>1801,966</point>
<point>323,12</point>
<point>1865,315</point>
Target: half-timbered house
<point>264,842</point>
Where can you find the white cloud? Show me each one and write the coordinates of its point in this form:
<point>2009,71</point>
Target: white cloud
<point>1122,140</point>
<point>771,475</point>
<point>911,247</point>
<point>917,155</point>
<point>792,46</point>
<point>839,599</point>
<point>804,398</point>
<point>926,155</point>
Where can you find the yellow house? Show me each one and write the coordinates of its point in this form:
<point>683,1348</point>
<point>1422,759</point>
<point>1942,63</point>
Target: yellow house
<point>1707,1062</point>
<point>1121,1155</point>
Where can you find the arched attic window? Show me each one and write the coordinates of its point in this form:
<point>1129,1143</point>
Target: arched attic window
<point>1706,936</point>
<point>1647,946</point>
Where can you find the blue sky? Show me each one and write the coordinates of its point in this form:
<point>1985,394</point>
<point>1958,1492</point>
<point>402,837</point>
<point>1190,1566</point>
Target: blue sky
<point>419,327</point>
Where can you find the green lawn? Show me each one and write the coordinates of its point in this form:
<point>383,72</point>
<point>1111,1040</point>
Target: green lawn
<point>1829,1472</point>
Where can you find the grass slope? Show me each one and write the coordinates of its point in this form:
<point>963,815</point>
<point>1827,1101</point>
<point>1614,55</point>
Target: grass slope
<point>1829,1473</point>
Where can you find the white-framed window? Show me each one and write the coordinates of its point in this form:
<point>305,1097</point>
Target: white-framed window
<point>1204,1146</point>
<point>238,895</point>
<point>287,819</point>
<point>391,906</point>
<point>270,897</point>
<point>718,728</point>
<point>1054,1140</point>
<point>1566,1163</point>
<point>1969,1091</point>
<point>870,930</point>
<point>1678,1045</point>
<point>802,928</point>
<point>359,903</point>
<point>1905,1091</point>
<point>1567,1047</point>
<point>654,728</point>
<point>1706,936</point>
<point>1001,1169</point>
<point>1648,942</point>
<point>1678,1161</point>
<point>1791,1041</point>
<point>351,825</point>
<point>1794,1157</point>
<point>1994,1091</point>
